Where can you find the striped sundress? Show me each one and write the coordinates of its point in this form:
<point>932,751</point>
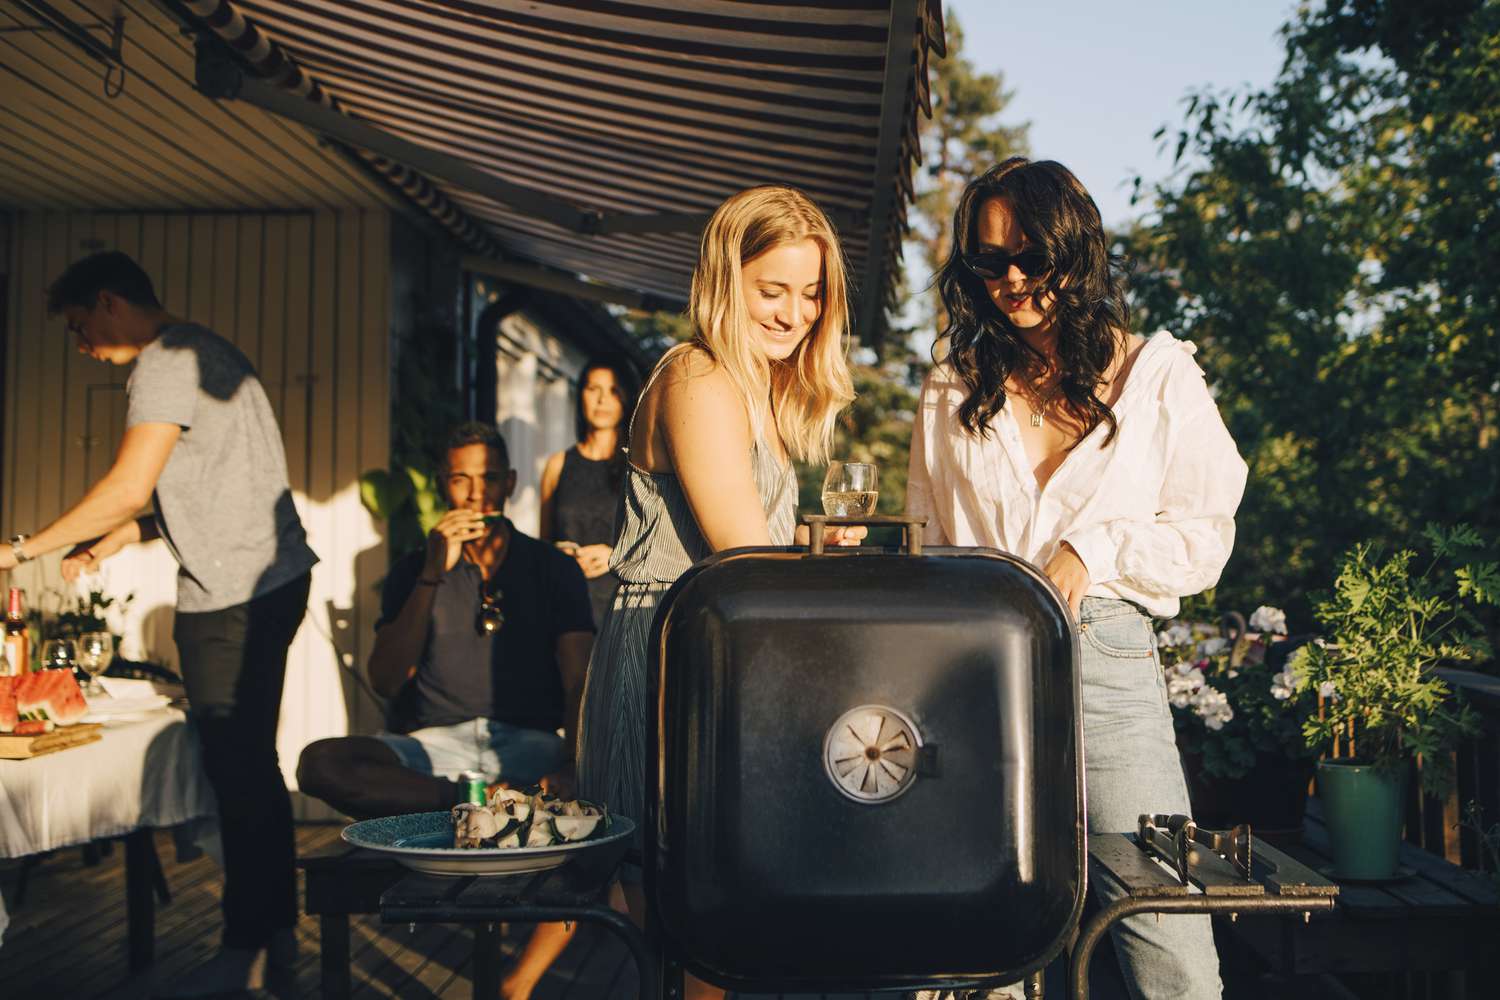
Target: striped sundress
<point>658,541</point>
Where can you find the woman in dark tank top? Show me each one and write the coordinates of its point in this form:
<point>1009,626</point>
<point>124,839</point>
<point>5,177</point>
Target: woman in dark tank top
<point>581,486</point>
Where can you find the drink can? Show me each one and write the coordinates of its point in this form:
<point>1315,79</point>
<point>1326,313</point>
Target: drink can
<point>474,785</point>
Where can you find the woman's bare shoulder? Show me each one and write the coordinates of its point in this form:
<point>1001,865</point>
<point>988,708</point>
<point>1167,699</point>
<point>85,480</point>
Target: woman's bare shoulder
<point>695,376</point>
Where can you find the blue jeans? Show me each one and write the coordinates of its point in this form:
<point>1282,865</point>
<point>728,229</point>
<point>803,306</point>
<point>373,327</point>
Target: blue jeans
<point>1131,767</point>
<point>520,756</point>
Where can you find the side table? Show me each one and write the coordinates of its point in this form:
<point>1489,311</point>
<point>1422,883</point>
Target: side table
<point>1278,884</point>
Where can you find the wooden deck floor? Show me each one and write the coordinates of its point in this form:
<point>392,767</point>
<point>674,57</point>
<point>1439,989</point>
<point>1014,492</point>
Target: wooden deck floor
<point>68,938</point>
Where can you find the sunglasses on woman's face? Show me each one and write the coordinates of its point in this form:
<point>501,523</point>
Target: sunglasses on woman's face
<point>994,265</point>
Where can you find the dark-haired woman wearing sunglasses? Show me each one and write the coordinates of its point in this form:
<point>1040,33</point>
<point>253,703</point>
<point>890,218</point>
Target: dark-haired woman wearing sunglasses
<point>1050,432</point>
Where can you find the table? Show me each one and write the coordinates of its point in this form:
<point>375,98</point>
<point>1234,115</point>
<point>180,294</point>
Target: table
<point>142,774</point>
<point>347,880</point>
<point>573,892</point>
<point>1440,919</point>
<point>1279,885</point>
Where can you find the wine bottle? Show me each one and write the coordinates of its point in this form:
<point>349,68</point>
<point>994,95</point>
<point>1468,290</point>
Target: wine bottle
<point>17,640</point>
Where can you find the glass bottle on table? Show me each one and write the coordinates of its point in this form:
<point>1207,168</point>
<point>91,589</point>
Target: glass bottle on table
<point>17,658</point>
<point>59,654</point>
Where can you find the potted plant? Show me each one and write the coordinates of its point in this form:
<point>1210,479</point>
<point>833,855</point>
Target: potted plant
<point>1238,722</point>
<point>1386,626</point>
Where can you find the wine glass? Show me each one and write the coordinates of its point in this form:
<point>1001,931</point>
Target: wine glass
<point>59,654</point>
<point>95,651</point>
<point>850,489</point>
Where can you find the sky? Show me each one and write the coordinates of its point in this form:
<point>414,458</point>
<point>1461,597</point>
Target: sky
<point>1095,79</point>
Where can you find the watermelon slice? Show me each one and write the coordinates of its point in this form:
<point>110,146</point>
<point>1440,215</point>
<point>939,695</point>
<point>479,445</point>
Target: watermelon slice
<point>52,695</point>
<point>9,716</point>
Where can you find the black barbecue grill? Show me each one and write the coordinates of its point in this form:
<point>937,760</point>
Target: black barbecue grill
<point>870,769</point>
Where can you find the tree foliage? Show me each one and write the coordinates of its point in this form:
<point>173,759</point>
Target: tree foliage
<point>1331,244</point>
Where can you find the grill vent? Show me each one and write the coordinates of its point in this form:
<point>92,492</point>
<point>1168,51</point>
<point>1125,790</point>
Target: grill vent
<point>870,753</point>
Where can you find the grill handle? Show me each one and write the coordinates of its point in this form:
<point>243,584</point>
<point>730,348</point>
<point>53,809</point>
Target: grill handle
<point>912,526</point>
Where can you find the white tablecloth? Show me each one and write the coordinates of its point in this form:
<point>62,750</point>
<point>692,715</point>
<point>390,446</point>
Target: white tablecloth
<point>141,773</point>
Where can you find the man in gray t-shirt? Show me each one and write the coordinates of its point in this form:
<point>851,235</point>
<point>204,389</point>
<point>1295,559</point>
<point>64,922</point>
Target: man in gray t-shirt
<point>202,442</point>
<point>222,500</point>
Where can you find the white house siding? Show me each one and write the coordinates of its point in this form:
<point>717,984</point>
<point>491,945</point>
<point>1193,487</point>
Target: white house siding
<point>306,295</point>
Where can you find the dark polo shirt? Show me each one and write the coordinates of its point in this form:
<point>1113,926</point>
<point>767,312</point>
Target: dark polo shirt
<point>510,676</point>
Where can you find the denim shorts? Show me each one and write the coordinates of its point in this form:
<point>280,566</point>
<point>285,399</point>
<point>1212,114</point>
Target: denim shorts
<point>500,750</point>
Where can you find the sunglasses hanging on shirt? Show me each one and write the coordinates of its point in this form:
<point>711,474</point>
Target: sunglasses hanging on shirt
<point>490,618</point>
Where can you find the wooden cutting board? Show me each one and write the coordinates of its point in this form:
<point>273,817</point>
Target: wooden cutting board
<point>14,747</point>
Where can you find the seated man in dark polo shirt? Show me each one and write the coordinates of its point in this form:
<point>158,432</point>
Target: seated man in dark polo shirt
<point>482,646</point>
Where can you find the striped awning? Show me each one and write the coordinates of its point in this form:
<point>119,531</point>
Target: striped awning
<point>592,137</point>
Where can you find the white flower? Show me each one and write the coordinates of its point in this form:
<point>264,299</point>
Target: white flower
<point>1233,673</point>
<point>1177,634</point>
<point>1181,688</point>
<point>1283,685</point>
<point>1329,690</point>
<point>1213,647</point>
<point>1213,707</point>
<point>1269,619</point>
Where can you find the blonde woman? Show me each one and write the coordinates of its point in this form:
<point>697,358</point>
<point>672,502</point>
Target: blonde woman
<point>710,451</point>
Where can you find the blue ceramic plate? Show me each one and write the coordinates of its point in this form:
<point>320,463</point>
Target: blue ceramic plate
<point>424,842</point>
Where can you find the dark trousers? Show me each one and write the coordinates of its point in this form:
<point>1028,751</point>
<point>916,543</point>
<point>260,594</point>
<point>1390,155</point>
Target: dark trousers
<point>233,665</point>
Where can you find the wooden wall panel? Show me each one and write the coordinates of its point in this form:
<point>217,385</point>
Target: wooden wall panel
<point>307,297</point>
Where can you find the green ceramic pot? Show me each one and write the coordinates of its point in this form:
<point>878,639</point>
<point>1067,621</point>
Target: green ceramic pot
<point>1362,809</point>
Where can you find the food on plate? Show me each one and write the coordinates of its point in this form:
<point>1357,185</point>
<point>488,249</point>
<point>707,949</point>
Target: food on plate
<point>33,727</point>
<point>514,818</point>
<point>51,696</point>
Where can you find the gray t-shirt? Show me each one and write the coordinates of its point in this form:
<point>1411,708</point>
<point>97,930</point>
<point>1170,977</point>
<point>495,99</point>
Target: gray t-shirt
<point>223,501</point>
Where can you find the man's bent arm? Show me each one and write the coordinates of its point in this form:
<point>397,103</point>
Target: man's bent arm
<point>399,642</point>
<point>114,500</point>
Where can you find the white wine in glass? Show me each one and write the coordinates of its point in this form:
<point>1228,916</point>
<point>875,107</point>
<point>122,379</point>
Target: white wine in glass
<point>850,489</point>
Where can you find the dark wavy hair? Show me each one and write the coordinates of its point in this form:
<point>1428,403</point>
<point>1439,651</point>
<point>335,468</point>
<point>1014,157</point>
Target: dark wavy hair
<point>1059,218</point>
<point>629,388</point>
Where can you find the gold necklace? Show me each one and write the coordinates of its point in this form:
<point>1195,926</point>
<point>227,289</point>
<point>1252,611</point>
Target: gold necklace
<point>1040,404</point>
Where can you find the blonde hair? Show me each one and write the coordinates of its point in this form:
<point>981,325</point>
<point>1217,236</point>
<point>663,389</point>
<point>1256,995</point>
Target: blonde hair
<point>809,388</point>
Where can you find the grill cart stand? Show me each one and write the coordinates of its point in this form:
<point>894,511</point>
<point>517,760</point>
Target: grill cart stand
<point>1277,884</point>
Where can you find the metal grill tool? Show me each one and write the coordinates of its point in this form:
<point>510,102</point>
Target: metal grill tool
<point>1173,839</point>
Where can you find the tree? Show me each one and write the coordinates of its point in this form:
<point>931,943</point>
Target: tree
<point>1330,243</point>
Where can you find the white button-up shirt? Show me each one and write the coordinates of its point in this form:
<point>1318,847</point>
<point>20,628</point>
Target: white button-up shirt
<point>1151,515</point>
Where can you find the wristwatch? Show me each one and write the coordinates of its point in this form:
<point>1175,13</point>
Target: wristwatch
<point>15,548</point>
